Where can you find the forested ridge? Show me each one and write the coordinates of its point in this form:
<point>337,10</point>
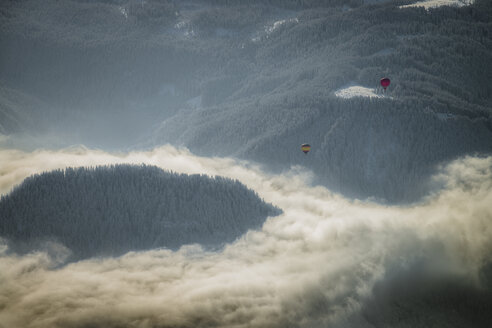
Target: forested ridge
<point>437,109</point>
<point>109,210</point>
<point>255,81</point>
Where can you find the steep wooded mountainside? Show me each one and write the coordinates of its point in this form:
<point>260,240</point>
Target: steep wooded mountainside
<point>255,81</point>
<point>438,107</point>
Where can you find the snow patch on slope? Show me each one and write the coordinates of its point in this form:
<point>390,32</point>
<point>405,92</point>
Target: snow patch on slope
<point>183,28</point>
<point>438,3</point>
<point>357,91</point>
<point>276,25</point>
<point>385,52</point>
<point>444,116</point>
<point>123,11</point>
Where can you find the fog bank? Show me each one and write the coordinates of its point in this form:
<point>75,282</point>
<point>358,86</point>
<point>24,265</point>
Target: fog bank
<point>326,261</point>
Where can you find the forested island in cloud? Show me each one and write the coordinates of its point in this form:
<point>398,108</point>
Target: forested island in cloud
<point>110,210</point>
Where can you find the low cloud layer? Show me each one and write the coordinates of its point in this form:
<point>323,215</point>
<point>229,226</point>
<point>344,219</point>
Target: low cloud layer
<point>325,261</point>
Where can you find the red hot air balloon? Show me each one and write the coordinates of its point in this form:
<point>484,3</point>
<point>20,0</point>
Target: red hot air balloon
<point>385,82</point>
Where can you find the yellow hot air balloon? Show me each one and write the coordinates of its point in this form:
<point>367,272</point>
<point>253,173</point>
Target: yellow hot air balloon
<point>305,148</point>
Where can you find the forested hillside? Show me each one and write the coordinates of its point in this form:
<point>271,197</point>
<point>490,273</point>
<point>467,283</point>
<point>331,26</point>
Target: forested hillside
<point>255,81</point>
<point>114,209</point>
<point>438,106</point>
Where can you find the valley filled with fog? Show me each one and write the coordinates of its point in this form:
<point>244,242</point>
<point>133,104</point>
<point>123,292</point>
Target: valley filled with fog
<point>151,172</point>
<point>325,260</point>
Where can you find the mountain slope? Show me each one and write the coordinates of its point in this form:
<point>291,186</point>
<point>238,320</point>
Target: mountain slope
<point>437,108</point>
<point>256,81</point>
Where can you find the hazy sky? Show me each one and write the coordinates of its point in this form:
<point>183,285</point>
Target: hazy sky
<point>314,265</point>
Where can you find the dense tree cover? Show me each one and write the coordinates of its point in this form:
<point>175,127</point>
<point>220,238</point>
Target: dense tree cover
<point>257,80</point>
<point>438,107</point>
<point>290,4</point>
<point>380,147</point>
<point>110,210</point>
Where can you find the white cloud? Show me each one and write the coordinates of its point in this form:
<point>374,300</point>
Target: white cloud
<point>313,266</point>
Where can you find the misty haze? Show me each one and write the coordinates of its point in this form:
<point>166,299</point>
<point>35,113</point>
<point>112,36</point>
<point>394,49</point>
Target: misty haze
<point>263,163</point>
